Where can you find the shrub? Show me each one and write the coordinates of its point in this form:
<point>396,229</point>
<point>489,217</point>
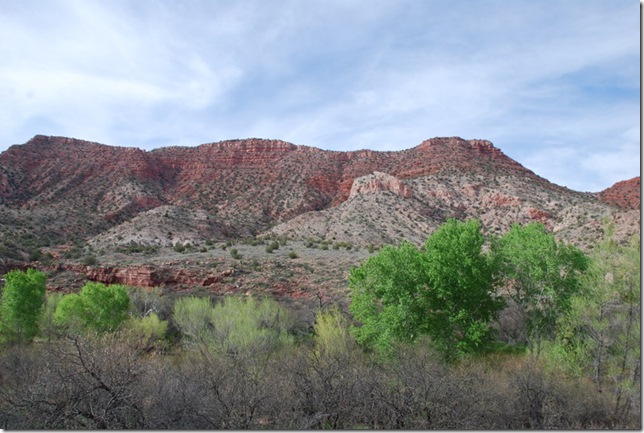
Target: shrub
<point>237,326</point>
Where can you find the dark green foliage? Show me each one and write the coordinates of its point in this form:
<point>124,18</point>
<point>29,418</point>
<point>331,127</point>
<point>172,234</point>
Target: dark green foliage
<point>22,299</point>
<point>89,260</point>
<point>272,247</point>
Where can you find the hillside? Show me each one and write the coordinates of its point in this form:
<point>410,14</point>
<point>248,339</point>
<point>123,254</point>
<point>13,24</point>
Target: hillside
<point>58,193</point>
<point>625,194</point>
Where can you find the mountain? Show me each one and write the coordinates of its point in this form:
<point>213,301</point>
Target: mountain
<point>625,194</point>
<point>57,190</point>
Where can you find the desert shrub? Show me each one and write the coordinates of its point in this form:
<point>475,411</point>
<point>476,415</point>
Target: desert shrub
<point>85,382</point>
<point>236,326</point>
<point>149,331</point>
<point>89,260</point>
<point>332,336</point>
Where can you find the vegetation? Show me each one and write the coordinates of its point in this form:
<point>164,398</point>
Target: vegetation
<point>445,291</point>
<point>125,358</point>
<point>235,326</point>
<point>542,275</point>
<point>600,334</point>
<point>97,307</point>
<point>22,299</point>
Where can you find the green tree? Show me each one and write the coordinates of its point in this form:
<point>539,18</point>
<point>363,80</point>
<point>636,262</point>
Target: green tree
<point>97,307</point>
<point>445,292</point>
<point>149,332</point>
<point>23,296</point>
<point>542,275</point>
<point>600,336</point>
<point>462,280</point>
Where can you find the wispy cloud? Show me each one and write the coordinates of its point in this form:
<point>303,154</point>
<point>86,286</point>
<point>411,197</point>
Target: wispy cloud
<point>545,81</point>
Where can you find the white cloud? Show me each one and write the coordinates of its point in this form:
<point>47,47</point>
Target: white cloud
<point>533,77</point>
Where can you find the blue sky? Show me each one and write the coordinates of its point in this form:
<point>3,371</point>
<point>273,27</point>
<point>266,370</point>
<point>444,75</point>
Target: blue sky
<point>554,84</point>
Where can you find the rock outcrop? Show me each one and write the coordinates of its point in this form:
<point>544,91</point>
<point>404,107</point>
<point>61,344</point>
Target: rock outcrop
<point>379,182</point>
<point>147,276</point>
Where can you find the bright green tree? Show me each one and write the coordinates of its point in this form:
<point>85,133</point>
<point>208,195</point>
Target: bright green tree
<point>445,292</point>
<point>192,316</point>
<point>22,299</point>
<point>386,297</point>
<point>462,280</point>
<point>149,331</point>
<point>97,307</point>
<point>541,275</point>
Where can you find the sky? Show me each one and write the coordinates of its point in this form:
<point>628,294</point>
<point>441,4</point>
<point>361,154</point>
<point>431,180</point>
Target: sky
<point>555,84</point>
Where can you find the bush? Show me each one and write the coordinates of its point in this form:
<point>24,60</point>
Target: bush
<point>89,260</point>
<point>235,327</point>
<point>149,331</point>
<point>332,337</point>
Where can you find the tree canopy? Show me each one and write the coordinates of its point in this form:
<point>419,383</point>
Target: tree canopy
<point>23,296</point>
<point>444,291</point>
<point>97,307</point>
<point>541,276</point>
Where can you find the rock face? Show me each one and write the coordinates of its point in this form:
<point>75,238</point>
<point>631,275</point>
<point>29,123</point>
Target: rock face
<point>625,194</point>
<point>378,182</point>
<point>147,276</point>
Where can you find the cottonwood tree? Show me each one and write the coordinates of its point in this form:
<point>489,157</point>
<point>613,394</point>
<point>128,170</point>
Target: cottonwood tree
<point>541,274</point>
<point>600,336</point>
<point>445,292</point>
<point>22,299</point>
<point>97,307</point>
